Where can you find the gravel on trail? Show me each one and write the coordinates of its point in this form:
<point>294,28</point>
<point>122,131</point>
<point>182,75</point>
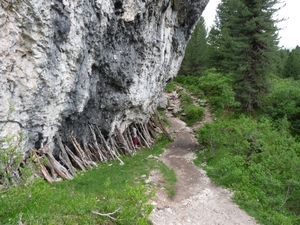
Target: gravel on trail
<point>197,200</point>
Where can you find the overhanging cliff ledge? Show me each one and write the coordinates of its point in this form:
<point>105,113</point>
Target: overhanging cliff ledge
<point>65,64</point>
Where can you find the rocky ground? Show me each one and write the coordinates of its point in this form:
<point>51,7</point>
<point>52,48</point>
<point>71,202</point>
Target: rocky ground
<point>197,199</point>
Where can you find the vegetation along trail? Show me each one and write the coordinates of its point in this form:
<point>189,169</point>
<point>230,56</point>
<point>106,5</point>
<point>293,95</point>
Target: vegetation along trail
<point>197,200</point>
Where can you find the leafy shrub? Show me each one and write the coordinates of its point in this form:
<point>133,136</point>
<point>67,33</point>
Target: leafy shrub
<point>216,87</point>
<point>193,114</point>
<point>12,147</point>
<point>284,100</point>
<point>257,161</point>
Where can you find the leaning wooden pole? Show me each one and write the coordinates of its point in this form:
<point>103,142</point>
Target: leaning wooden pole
<point>162,126</point>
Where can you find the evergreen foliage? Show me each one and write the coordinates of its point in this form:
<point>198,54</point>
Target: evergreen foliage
<point>292,64</point>
<point>244,42</point>
<point>196,54</point>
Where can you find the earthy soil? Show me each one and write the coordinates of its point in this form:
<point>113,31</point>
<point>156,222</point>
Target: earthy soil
<point>197,200</point>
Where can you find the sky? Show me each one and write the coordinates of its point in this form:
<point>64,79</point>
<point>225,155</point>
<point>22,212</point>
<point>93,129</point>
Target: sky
<point>289,35</point>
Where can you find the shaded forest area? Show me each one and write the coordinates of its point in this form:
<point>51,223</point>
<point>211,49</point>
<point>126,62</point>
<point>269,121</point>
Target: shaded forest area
<point>253,87</point>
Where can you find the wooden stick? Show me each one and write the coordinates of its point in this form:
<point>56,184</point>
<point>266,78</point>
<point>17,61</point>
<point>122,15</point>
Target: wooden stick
<point>87,150</point>
<point>142,138</point>
<point>65,155</point>
<point>104,142</point>
<point>59,169</point>
<point>107,214</point>
<point>122,141</point>
<point>151,129</point>
<point>66,164</point>
<point>147,135</point>
<point>75,158</point>
<point>162,126</point>
<point>102,157</point>
<point>129,138</point>
<point>80,153</point>
<point>114,152</point>
<point>94,153</point>
<point>43,169</point>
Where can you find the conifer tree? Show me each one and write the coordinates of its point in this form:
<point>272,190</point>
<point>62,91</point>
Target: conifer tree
<point>195,59</point>
<point>245,40</point>
<point>292,65</point>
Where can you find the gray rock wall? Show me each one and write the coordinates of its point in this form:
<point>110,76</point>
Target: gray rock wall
<point>67,63</point>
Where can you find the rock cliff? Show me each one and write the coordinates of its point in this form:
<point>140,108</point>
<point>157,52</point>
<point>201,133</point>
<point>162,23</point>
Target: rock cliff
<point>65,64</point>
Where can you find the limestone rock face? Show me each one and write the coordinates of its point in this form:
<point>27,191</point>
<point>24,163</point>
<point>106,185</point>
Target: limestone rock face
<point>65,64</point>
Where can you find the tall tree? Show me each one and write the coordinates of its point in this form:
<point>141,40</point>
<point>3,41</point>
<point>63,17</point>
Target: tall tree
<point>245,38</point>
<point>195,59</point>
<point>292,64</point>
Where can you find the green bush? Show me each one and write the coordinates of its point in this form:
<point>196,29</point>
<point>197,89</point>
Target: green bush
<point>193,114</point>
<point>258,162</point>
<point>216,87</point>
<point>284,101</point>
<point>12,148</point>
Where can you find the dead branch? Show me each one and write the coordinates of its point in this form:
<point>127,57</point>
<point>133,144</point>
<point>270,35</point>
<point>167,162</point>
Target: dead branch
<point>114,152</point>
<point>104,142</point>
<point>140,135</point>
<point>80,153</point>
<point>107,214</point>
<point>65,156</point>
<point>43,169</point>
<point>75,159</point>
<point>129,139</point>
<point>87,150</point>
<point>121,141</point>
<point>95,143</point>
<point>161,124</point>
<point>59,169</point>
<point>151,129</point>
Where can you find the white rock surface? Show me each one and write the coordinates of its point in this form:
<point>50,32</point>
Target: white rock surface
<point>65,64</point>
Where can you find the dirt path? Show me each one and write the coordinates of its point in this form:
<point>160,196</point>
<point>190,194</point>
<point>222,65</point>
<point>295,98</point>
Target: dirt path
<point>197,199</point>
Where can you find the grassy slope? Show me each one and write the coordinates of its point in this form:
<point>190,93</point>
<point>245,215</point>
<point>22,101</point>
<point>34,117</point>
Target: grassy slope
<point>103,189</point>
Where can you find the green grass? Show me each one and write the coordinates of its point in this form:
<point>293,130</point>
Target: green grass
<point>170,87</point>
<point>170,179</point>
<point>103,189</point>
<point>193,113</point>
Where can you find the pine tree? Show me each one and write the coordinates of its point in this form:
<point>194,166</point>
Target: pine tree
<point>195,59</point>
<point>246,44</point>
<point>292,65</point>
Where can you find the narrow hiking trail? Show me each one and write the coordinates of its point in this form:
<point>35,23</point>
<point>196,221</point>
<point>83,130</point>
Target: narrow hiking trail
<point>197,200</point>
